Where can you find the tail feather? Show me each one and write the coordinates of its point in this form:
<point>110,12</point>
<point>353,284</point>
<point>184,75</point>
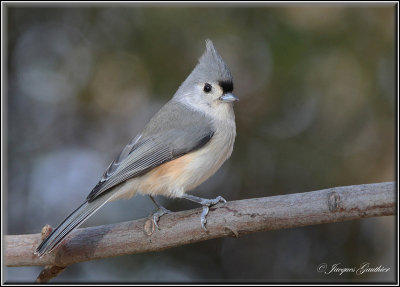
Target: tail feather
<point>76,218</point>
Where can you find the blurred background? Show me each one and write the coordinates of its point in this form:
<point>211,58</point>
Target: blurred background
<point>317,92</point>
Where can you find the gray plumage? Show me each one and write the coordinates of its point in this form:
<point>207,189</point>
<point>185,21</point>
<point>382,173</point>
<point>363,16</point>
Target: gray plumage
<point>165,137</point>
<point>73,221</point>
<point>160,141</point>
<point>210,66</point>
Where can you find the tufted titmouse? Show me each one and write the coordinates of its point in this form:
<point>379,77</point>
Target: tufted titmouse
<point>185,143</point>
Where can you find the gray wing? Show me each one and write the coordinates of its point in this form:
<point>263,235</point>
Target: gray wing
<point>174,131</point>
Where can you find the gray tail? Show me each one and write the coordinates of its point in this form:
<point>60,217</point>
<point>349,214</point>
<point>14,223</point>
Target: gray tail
<point>72,222</point>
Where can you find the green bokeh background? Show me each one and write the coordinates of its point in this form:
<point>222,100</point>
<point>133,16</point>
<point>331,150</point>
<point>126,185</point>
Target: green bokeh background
<point>317,105</point>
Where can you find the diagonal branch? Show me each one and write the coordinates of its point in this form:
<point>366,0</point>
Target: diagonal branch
<point>229,219</point>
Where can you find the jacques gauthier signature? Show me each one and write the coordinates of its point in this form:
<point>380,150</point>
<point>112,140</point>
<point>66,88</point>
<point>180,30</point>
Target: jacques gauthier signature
<point>363,268</point>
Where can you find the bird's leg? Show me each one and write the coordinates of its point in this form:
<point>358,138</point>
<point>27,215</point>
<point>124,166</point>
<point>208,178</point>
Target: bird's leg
<point>206,203</point>
<point>161,210</point>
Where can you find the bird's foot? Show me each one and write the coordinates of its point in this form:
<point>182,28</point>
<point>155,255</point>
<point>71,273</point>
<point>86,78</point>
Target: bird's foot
<point>161,210</point>
<point>207,203</point>
<point>157,215</point>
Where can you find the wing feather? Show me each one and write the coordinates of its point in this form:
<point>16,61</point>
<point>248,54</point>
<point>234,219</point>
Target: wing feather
<point>163,139</point>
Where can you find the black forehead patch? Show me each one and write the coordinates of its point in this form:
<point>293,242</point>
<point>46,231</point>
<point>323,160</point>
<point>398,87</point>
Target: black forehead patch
<point>227,86</point>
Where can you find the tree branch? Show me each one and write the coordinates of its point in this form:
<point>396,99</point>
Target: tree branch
<point>49,271</point>
<point>233,218</point>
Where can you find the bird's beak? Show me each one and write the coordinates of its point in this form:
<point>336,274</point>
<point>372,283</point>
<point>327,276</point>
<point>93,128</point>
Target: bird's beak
<point>228,98</point>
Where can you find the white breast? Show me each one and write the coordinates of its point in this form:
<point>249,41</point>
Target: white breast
<point>209,159</point>
<point>183,174</point>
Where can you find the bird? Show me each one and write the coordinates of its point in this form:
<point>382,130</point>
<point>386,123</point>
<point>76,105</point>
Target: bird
<point>181,146</point>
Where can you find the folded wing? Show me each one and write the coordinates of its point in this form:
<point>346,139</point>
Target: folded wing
<point>165,138</point>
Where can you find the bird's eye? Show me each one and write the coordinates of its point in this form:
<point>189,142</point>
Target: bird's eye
<point>207,88</point>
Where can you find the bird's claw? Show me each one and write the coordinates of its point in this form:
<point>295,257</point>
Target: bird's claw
<point>207,203</point>
<point>157,215</point>
<point>203,219</point>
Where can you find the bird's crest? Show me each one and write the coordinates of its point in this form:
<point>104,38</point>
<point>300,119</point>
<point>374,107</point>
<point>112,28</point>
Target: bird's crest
<point>212,65</point>
<point>210,68</point>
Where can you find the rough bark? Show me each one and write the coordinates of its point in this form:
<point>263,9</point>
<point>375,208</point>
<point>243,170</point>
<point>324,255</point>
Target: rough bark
<point>233,218</point>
